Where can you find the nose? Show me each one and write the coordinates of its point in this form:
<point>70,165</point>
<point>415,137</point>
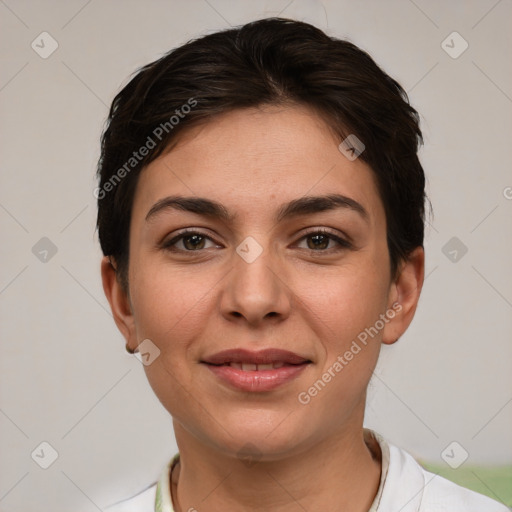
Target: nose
<point>256,291</point>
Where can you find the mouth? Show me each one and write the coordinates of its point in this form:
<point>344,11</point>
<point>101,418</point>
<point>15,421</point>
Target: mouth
<point>249,360</point>
<point>259,371</point>
<point>252,367</point>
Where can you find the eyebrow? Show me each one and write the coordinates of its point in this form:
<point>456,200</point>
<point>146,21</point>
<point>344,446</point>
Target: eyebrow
<point>295,208</point>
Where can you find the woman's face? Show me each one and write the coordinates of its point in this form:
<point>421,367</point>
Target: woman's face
<point>262,277</point>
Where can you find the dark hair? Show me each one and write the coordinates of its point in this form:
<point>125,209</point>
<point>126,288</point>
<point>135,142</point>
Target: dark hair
<point>269,61</point>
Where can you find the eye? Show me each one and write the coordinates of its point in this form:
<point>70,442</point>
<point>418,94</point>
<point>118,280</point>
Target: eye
<point>191,241</point>
<point>319,240</point>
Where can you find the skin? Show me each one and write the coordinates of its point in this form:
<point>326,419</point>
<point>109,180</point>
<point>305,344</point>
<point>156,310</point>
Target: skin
<point>313,302</point>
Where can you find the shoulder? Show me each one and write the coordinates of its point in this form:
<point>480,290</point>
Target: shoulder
<point>443,495</point>
<point>141,502</point>
<point>411,488</point>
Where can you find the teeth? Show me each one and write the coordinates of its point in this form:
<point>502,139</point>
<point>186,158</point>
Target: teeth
<point>256,367</point>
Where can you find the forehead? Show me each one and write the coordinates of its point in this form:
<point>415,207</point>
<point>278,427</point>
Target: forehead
<point>252,158</point>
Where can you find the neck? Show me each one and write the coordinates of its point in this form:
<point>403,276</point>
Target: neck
<point>335,475</point>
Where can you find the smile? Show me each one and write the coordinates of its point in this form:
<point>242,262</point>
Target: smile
<point>260,371</point>
<point>251,367</point>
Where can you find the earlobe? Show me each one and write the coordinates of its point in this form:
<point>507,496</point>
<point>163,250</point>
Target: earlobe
<point>404,295</point>
<point>119,302</point>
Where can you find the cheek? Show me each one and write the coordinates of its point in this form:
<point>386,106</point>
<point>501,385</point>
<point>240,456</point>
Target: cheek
<point>346,307</point>
<point>345,313</point>
<point>167,302</point>
<point>344,301</point>
<point>169,310</point>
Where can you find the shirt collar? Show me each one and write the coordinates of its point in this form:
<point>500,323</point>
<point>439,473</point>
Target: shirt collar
<point>163,499</point>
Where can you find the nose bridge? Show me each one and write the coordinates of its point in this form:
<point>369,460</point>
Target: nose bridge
<point>256,289</point>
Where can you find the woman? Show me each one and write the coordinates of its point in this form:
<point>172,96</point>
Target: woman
<point>261,213</point>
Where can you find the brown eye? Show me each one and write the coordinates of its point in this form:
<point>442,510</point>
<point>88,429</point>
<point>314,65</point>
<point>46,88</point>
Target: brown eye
<point>321,241</point>
<point>318,241</point>
<point>191,241</point>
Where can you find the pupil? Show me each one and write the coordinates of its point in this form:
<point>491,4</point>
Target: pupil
<point>198,239</point>
<point>317,238</point>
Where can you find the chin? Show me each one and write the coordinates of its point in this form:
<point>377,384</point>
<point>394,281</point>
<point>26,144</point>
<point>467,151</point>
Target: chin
<point>268,438</point>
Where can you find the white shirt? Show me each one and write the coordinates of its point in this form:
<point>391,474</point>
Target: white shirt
<point>404,487</point>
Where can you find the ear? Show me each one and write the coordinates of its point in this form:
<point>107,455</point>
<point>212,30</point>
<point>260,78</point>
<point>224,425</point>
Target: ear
<point>119,303</point>
<point>404,294</point>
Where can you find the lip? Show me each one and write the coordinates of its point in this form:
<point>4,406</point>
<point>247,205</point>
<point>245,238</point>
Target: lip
<point>256,380</point>
<point>266,356</point>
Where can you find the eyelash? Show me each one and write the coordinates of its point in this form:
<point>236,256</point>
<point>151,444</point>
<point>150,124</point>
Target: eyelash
<point>343,244</point>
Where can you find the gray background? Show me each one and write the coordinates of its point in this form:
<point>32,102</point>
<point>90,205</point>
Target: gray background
<point>65,378</point>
